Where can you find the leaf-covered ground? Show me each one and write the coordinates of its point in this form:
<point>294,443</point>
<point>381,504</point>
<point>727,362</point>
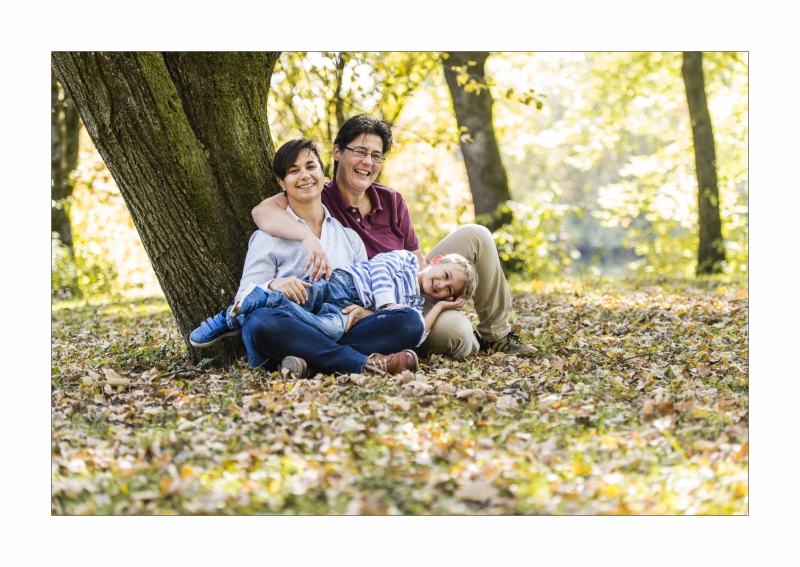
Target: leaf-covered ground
<point>636,404</point>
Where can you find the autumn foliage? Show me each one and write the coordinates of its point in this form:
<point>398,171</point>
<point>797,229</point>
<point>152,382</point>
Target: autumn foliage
<point>636,404</point>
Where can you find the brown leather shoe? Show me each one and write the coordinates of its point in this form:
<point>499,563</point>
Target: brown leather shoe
<point>393,363</point>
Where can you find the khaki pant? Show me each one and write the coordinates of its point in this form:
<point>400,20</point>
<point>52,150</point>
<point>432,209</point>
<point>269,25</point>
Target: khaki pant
<point>451,334</point>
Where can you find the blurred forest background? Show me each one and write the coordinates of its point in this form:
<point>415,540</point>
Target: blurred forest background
<point>597,149</point>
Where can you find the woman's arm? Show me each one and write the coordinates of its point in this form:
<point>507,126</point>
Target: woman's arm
<point>270,216</point>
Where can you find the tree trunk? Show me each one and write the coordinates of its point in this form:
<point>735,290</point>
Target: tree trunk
<point>711,249</point>
<point>186,138</point>
<point>65,127</point>
<point>488,181</point>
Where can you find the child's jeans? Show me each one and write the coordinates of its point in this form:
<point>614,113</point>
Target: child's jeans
<point>323,308</point>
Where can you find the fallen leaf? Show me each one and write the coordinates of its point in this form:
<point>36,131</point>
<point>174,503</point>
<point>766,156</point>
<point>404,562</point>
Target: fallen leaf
<point>473,393</point>
<point>114,379</point>
<point>549,401</point>
<point>404,377</point>
<point>477,491</point>
<point>506,403</point>
<point>665,408</point>
<point>91,377</point>
<point>648,410</point>
<point>147,495</point>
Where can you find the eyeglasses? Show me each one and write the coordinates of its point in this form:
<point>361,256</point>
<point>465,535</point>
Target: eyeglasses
<point>361,153</point>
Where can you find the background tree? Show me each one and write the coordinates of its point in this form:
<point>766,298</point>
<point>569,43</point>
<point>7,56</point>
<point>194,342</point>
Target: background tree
<point>186,138</point>
<point>472,103</point>
<point>631,146</point>
<point>65,127</point>
<point>711,248</point>
<point>313,93</point>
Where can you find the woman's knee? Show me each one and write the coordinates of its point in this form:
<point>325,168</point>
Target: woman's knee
<point>451,335</point>
<point>477,233</point>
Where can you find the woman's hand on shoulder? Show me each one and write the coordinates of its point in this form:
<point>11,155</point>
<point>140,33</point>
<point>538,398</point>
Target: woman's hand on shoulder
<point>293,288</point>
<point>317,258</point>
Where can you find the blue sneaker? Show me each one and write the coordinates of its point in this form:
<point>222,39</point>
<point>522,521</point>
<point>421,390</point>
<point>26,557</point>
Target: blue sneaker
<point>211,330</point>
<point>251,298</point>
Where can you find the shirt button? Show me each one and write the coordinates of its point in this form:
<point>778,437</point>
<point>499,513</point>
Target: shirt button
<point>359,219</point>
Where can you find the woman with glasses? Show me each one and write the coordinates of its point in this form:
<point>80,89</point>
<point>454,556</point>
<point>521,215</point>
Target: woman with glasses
<point>380,217</point>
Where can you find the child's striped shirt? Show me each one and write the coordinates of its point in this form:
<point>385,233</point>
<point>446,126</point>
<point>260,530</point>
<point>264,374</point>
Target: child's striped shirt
<point>389,277</point>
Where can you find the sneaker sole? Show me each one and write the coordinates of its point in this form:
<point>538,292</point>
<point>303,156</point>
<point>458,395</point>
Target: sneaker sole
<point>293,365</point>
<point>237,304</point>
<point>209,343</point>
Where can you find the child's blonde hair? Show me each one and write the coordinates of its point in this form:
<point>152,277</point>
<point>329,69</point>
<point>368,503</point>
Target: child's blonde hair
<point>470,274</point>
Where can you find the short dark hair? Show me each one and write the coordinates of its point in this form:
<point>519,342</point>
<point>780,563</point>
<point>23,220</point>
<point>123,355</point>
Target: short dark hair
<point>287,155</point>
<point>360,125</point>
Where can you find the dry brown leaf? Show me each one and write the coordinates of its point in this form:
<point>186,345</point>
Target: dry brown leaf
<point>665,408</point>
<point>477,491</point>
<point>473,393</point>
<point>506,403</point>
<point>648,410</point>
<point>114,379</point>
<point>404,377</point>
<point>549,401</point>
<point>147,495</point>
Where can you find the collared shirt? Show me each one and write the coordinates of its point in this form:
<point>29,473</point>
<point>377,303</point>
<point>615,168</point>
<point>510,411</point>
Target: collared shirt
<point>385,228</point>
<point>270,257</point>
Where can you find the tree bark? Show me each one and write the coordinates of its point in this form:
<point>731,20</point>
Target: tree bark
<point>711,249</point>
<point>65,127</point>
<point>487,177</point>
<point>186,138</point>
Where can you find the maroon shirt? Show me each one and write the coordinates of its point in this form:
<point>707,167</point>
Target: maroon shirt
<point>386,227</point>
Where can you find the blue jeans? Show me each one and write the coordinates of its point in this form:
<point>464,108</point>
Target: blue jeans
<point>269,335</point>
<point>323,308</point>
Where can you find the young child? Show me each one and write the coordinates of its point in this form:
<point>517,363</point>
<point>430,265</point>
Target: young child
<point>388,280</point>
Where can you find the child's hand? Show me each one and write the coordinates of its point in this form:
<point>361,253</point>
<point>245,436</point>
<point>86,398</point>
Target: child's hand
<point>458,304</point>
<point>354,314</point>
<point>293,288</point>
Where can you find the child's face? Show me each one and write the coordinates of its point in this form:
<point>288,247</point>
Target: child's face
<point>441,281</point>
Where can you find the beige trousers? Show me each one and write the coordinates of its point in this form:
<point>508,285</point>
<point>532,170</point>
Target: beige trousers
<point>451,334</point>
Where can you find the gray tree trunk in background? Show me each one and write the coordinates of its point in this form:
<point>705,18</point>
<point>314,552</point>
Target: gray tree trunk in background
<point>488,181</point>
<point>186,138</point>
<point>65,125</point>
<point>711,249</point>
